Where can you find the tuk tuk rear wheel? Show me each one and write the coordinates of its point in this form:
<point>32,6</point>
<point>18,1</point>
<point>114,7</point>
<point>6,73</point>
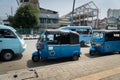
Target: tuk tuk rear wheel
<point>82,43</point>
<point>75,57</point>
<point>35,58</point>
<point>92,53</point>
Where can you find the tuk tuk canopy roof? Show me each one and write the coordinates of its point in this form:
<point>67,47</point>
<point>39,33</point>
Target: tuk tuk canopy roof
<point>108,31</point>
<point>58,31</point>
<point>66,36</point>
<point>76,27</point>
<point>112,31</point>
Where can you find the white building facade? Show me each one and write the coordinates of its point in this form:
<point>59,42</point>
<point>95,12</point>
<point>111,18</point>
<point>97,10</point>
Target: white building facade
<point>113,18</point>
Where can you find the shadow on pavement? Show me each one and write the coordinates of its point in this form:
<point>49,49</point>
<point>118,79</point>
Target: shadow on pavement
<point>99,55</point>
<point>32,64</point>
<point>95,56</point>
<point>16,57</point>
<point>85,46</point>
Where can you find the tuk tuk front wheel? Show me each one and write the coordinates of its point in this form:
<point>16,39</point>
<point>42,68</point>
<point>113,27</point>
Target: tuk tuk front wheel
<point>92,53</point>
<point>75,57</point>
<point>35,58</point>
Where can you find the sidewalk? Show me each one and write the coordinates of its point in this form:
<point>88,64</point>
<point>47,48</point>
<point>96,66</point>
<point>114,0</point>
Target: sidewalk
<point>113,74</point>
<point>100,68</point>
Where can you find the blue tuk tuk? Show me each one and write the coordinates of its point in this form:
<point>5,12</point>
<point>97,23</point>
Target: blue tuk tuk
<point>54,44</point>
<point>105,41</point>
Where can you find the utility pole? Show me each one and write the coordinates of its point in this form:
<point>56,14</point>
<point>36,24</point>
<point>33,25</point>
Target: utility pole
<point>11,11</point>
<point>72,17</point>
<point>18,3</point>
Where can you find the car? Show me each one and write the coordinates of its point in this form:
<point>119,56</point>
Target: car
<point>11,43</point>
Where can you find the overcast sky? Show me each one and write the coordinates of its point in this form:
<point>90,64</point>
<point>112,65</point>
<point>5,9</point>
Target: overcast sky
<point>61,6</point>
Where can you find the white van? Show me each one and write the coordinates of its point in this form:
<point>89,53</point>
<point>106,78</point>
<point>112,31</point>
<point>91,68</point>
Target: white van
<point>11,43</point>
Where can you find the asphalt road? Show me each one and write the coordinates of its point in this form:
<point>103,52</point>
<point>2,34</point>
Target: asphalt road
<point>20,61</point>
<point>24,61</point>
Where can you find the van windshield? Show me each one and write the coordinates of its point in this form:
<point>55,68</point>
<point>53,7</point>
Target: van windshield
<point>97,35</point>
<point>19,35</point>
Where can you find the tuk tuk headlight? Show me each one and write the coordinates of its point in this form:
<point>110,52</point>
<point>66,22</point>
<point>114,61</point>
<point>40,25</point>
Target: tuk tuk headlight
<point>98,44</point>
<point>92,43</point>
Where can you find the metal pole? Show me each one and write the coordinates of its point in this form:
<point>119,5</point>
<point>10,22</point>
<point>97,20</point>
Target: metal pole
<point>47,21</point>
<point>18,2</point>
<point>72,17</point>
<point>11,11</point>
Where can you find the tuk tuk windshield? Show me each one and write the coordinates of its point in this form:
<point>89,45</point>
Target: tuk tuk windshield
<point>42,37</point>
<point>98,35</point>
<point>59,37</point>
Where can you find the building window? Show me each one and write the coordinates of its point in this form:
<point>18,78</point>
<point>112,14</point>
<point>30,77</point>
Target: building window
<point>55,21</point>
<point>42,20</point>
<point>48,21</point>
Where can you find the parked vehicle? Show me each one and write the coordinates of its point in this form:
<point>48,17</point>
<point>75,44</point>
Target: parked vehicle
<point>105,41</point>
<point>85,33</point>
<point>54,44</point>
<point>11,43</point>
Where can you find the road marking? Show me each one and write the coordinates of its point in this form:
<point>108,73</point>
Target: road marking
<point>100,75</point>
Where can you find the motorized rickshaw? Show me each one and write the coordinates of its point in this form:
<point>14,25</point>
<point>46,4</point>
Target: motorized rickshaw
<point>105,41</point>
<point>55,44</point>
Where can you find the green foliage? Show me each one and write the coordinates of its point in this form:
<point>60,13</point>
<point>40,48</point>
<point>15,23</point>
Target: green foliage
<point>27,16</point>
<point>11,20</point>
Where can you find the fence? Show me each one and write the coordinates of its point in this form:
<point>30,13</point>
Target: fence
<point>29,33</point>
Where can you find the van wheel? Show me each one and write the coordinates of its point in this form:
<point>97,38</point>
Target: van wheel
<point>7,55</point>
<point>35,58</point>
<point>75,57</point>
<point>92,53</point>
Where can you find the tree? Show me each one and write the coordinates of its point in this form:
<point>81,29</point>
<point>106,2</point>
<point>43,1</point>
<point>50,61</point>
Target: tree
<point>27,16</point>
<point>11,20</point>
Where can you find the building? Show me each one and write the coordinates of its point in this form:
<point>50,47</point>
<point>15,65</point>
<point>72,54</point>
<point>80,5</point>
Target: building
<point>85,15</point>
<point>102,23</point>
<point>113,21</point>
<point>64,22</point>
<point>1,21</point>
<point>48,18</point>
<point>4,21</point>
<point>35,2</point>
<point>113,13</point>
